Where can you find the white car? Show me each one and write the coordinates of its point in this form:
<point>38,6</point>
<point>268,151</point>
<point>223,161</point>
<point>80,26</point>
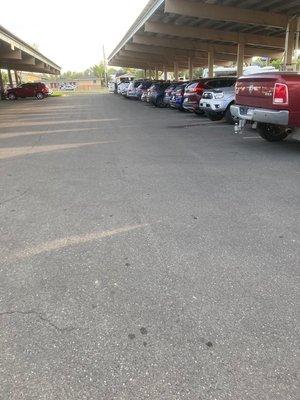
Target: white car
<point>68,86</point>
<point>122,88</point>
<point>112,87</point>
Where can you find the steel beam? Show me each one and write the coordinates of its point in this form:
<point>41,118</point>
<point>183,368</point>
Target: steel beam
<point>213,34</point>
<point>225,13</point>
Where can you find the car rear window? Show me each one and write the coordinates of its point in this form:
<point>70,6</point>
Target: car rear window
<point>192,85</point>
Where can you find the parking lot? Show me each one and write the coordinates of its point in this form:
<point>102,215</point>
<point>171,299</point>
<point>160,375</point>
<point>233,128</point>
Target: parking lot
<point>146,253</point>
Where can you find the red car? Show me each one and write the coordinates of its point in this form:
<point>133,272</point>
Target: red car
<point>37,90</point>
<point>193,91</point>
<point>271,101</point>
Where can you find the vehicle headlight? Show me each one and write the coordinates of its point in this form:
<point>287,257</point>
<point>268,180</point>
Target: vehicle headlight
<point>219,95</point>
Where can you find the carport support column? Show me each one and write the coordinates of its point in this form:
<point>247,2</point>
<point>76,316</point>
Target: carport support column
<point>290,44</point>
<point>211,62</point>
<point>145,73</point>
<point>165,73</point>
<point>10,77</point>
<point>190,65</point>
<point>16,77</point>
<point>156,73</point>
<point>1,84</point>
<point>176,73</point>
<point>240,59</point>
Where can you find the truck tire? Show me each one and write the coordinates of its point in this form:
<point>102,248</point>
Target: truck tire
<point>215,117</point>
<point>272,133</point>
<point>228,116</point>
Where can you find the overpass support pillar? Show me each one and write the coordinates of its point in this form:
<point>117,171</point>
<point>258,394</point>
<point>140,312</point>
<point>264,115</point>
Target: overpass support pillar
<point>176,72</point>
<point>145,73</point>
<point>156,73</point>
<point>211,61</point>
<point>240,59</point>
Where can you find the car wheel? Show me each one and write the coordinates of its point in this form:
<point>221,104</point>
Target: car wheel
<point>39,96</point>
<point>215,117</point>
<point>272,133</point>
<point>229,117</point>
<point>12,96</point>
<point>160,103</point>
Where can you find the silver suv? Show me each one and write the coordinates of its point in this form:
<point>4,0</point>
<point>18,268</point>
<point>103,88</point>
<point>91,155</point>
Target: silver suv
<point>216,103</point>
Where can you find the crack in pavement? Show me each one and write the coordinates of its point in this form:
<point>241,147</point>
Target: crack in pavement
<point>41,317</point>
<point>18,196</point>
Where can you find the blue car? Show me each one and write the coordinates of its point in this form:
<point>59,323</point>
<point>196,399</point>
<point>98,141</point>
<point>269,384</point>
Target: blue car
<point>176,100</point>
<point>157,92</point>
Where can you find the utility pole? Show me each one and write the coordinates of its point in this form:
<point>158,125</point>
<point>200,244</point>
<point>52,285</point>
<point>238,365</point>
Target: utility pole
<point>105,66</point>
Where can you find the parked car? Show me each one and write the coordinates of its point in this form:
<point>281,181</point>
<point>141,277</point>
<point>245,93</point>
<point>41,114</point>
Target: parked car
<point>68,87</point>
<point>216,102</point>
<point>141,90</point>
<point>176,100</point>
<point>144,95</point>
<point>122,87</point>
<point>38,90</point>
<point>132,89</point>
<point>269,101</point>
<point>169,92</point>
<point>112,87</point>
<point>193,91</point>
<point>157,92</point>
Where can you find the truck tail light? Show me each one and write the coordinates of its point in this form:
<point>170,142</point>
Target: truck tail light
<point>281,94</point>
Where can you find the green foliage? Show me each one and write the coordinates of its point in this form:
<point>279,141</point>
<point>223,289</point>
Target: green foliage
<point>4,77</point>
<point>278,64</point>
<point>98,71</point>
<point>70,75</point>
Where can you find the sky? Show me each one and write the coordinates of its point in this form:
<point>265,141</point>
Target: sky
<point>71,33</point>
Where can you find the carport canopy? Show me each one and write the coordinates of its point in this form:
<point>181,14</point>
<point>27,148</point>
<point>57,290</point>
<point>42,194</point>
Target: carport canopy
<point>170,35</point>
<point>17,55</point>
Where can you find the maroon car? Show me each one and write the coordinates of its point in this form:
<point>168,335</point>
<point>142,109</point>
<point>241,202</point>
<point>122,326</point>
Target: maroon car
<point>38,90</point>
<point>193,91</point>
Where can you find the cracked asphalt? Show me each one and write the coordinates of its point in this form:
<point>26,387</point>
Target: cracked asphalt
<point>145,254</point>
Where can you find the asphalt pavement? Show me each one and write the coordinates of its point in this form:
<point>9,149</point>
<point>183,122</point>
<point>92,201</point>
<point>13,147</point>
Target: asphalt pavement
<point>145,254</point>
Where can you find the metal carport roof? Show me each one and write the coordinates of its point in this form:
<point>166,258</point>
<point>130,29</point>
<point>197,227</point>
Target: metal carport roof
<point>15,54</point>
<point>205,32</point>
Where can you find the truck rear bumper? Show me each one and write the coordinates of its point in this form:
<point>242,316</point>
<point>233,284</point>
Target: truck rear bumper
<point>260,115</point>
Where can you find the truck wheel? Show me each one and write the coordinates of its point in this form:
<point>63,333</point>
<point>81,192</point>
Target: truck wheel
<point>215,117</point>
<point>229,118</point>
<point>272,133</point>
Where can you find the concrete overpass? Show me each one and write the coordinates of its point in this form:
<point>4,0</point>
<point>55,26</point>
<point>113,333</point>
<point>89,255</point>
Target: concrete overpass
<point>16,55</point>
<point>170,35</point>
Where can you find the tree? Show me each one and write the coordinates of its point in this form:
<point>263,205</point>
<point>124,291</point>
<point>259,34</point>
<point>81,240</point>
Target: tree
<point>4,78</point>
<point>278,64</point>
<point>99,71</point>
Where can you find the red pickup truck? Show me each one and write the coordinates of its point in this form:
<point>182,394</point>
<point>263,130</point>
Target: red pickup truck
<point>271,101</point>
